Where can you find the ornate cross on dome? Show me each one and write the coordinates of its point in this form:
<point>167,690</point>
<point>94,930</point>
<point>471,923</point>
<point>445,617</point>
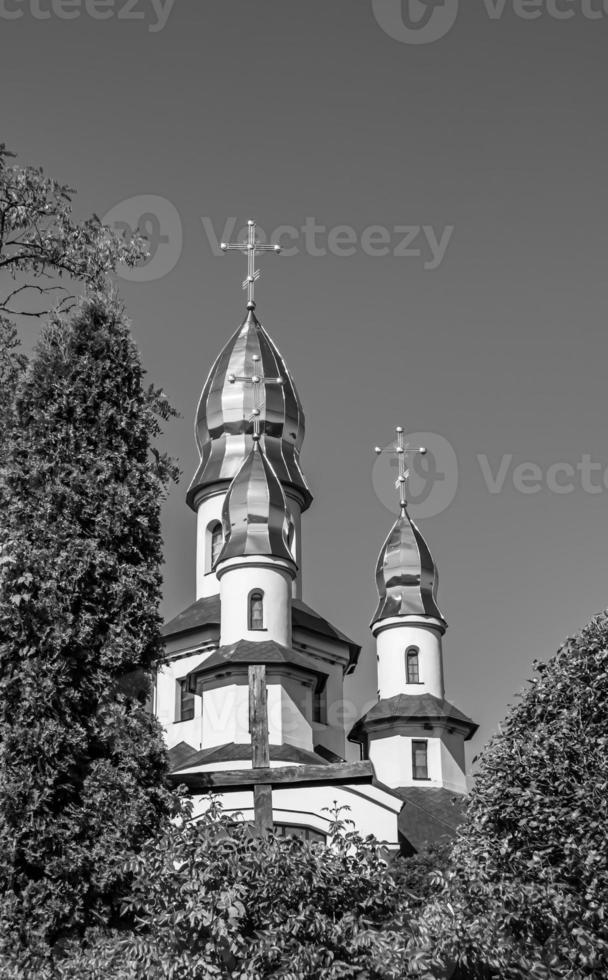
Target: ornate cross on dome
<point>250,247</point>
<point>401,450</point>
<point>255,380</point>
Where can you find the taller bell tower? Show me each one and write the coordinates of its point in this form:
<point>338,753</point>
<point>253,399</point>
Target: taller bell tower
<point>229,407</point>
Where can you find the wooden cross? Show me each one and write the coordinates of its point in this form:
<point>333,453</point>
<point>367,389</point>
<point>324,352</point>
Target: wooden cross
<point>401,450</point>
<point>260,748</point>
<point>255,380</point>
<point>250,247</point>
<point>261,779</point>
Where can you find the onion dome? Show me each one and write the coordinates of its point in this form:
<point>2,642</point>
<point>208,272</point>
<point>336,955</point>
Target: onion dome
<point>255,516</point>
<point>406,575</point>
<point>224,424</point>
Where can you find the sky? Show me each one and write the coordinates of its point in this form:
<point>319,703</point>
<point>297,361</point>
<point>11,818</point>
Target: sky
<point>437,177</point>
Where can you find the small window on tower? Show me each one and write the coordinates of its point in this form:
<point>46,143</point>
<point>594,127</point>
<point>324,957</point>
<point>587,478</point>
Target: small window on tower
<point>256,610</point>
<point>185,707</point>
<point>412,665</point>
<point>319,704</point>
<point>420,767</point>
<point>217,540</point>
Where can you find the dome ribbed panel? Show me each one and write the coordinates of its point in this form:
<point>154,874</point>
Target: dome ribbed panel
<point>255,516</point>
<point>223,427</point>
<point>406,575</point>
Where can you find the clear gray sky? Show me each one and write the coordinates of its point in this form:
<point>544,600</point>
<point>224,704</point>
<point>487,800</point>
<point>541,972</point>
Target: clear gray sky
<point>490,139</point>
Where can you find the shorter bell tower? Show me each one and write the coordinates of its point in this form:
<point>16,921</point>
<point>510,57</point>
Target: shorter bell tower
<point>413,736</point>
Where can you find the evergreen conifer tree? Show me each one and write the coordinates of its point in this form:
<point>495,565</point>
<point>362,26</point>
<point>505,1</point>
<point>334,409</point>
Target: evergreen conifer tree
<point>82,761</point>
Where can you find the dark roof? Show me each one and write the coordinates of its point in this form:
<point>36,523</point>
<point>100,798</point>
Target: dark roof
<point>203,612</point>
<point>251,652</point>
<point>179,753</point>
<point>411,707</point>
<point>305,617</point>
<point>184,756</point>
<point>326,753</point>
<point>206,612</point>
<point>429,815</point>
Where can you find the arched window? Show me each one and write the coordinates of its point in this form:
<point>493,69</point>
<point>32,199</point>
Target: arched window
<point>256,610</point>
<point>412,665</point>
<point>299,830</point>
<point>215,541</point>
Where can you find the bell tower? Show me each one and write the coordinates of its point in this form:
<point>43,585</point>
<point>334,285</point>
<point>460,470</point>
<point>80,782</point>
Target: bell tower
<point>413,736</point>
<point>249,381</point>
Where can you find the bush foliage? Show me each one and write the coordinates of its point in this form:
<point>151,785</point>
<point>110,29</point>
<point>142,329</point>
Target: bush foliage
<point>212,898</point>
<point>527,893</point>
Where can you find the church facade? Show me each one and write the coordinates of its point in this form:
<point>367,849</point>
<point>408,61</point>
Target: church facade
<point>251,673</point>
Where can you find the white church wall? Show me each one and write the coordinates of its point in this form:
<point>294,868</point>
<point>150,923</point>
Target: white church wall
<point>337,713</point>
<point>392,644</point>
<point>209,513</point>
<point>225,713</point>
<point>236,585</point>
<point>392,759</point>
<point>167,700</point>
<point>372,810</point>
<point>453,765</point>
<point>332,656</point>
<point>294,700</point>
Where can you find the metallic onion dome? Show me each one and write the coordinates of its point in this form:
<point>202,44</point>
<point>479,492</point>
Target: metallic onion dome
<point>224,421</point>
<point>406,575</point>
<point>255,516</point>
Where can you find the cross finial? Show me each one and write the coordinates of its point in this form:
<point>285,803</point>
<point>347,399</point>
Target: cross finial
<point>255,380</point>
<point>401,450</point>
<point>250,247</point>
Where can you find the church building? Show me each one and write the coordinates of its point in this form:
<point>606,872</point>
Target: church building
<point>251,676</point>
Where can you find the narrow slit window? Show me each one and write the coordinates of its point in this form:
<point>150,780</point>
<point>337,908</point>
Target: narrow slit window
<point>319,705</point>
<point>217,540</point>
<point>413,665</point>
<point>186,702</point>
<point>256,611</point>
<point>420,765</point>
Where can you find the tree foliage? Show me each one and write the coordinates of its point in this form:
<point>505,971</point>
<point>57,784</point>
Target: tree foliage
<point>527,895</point>
<point>12,365</point>
<point>43,249</point>
<point>82,761</point>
